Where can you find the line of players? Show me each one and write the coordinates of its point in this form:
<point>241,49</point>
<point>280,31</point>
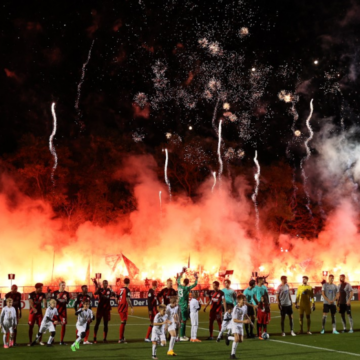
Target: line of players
<point>176,307</point>
<point>333,295</point>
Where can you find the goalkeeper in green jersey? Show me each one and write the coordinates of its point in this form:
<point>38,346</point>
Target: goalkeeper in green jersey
<point>183,295</point>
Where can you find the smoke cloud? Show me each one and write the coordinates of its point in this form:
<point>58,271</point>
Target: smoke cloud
<point>214,231</point>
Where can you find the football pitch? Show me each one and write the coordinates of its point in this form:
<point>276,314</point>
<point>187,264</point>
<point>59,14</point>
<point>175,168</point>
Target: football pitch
<point>316,346</point>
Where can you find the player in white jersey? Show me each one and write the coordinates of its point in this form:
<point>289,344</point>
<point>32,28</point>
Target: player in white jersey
<point>8,322</point>
<point>285,305</point>
<point>84,317</point>
<point>194,316</point>
<point>226,323</point>
<point>157,333</point>
<point>47,323</point>
<point>173,315</point>
<point>329,293</point>
<point>239,317</point>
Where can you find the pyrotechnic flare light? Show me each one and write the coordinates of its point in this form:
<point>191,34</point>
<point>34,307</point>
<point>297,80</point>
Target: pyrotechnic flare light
<point>219,151</point>
<point>51,143</point>
<point>253,69</point>
<point>214,175</point>
<point>165,171</point>
<point>256,191</point>
<point>297,132</point>
<point>316,62</point>
<point>190,127</point>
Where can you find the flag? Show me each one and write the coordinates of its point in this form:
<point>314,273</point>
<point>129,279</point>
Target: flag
<point>112,261</point>
<point>131,267</point>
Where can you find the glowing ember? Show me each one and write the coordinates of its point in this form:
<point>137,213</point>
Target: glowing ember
<point>226,106</point>
<point>244,31</point>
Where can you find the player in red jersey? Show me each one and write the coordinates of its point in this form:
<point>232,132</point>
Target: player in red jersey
<point>62,298</point>
<point>82,298</point>
<point>167,293</point>
<point>216,299</point>
<point>16,298</point>
<point>124,301</point>
<point>104,308</point>
<point>152,308</point>
<point>36,298</point>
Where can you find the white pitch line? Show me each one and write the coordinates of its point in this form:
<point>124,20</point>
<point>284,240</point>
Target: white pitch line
<point>315,347</point>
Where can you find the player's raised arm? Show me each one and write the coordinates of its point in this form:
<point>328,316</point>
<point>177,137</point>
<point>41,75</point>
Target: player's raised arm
<point>97,292</point>
<point>178,279</point>
<point>195,283</point>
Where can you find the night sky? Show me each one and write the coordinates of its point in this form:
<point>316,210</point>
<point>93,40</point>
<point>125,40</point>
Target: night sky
<point>136,43</point>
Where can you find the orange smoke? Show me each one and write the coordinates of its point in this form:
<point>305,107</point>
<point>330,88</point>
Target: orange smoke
<point>213,230</point>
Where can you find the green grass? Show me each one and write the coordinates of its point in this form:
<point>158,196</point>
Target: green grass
<point>138,349</point>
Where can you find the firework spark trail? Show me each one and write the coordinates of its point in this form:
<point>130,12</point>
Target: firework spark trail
<point>221,166</point>
<point>82,79</point>
<point>256,190</point>
<point>165,171</point>
<point>289,97</point>
<point>308,153</point>
<point>214,115</point>
<point>295,115</point>
<point>214,175</point>
<point>349,162</point>
<point>51,143</point>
